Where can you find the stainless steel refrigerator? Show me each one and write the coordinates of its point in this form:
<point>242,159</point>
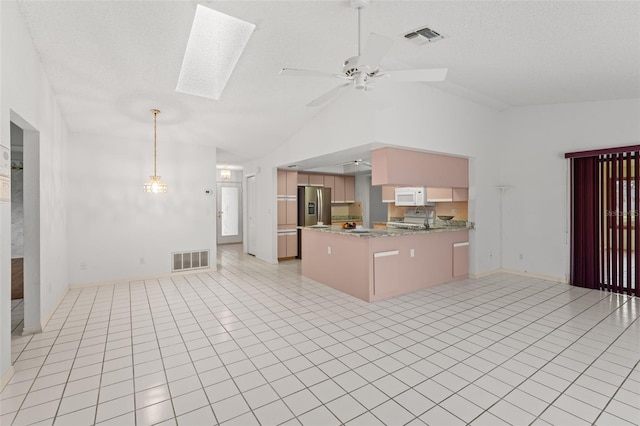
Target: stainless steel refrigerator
<point>314,205</point>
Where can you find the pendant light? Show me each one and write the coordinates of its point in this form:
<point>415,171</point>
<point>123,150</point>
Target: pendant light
<point>155,184</point>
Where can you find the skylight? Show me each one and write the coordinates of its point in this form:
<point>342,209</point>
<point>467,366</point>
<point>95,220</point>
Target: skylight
<point>214,47</point>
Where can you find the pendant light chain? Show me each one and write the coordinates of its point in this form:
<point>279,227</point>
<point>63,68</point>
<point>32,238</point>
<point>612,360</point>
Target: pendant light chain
<point>155,184</point>
<point>155,135</point>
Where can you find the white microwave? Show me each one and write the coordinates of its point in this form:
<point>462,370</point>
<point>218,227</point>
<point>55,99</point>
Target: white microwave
<point>412,196</point>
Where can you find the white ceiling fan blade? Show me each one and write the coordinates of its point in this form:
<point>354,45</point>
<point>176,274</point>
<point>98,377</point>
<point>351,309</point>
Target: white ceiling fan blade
<point>435,74</point>
<point>296,72</point>
<point>327,96</point>
<point>377,46</point>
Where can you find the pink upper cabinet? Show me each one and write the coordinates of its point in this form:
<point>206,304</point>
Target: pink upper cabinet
<point>402,167</point>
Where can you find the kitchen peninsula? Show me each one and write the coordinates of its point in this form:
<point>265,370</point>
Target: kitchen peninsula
<point>377,264</point>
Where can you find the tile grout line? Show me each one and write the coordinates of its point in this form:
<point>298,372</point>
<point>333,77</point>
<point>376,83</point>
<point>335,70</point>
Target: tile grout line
<point>42,365</point>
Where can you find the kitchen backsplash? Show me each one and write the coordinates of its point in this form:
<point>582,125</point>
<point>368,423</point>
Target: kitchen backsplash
<point>442,209</point>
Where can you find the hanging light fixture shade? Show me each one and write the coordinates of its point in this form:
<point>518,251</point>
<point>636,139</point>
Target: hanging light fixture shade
<point>155,184</point>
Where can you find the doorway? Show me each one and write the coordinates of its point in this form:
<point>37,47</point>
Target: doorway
<point>25,225</point>
<point>229,214</point>
<point>605,206</point>
<point>17,229</point>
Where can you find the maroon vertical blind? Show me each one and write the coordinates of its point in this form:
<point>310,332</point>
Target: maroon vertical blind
<point>605,194</point>
<point>584,223</point>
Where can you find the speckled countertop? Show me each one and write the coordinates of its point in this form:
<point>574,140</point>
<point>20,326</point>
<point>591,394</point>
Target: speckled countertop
<point>389,232</point>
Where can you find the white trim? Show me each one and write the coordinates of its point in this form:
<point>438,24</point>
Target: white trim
<point>27,331</point>
<point>386,253</point>
<point>140,278</point>
<point>44,322</point>
<point>521,273</point>
<point>484,274</point>
<point>6,377</point>
<point>530,275</point>
<point>461,244</point>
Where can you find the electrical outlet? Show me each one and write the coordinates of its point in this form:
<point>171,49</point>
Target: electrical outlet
<point>328,249</point>
<point>83,265</point>
<point>521,256</point>
<point>412,253</point>
<point>142,261</point>
<point>454,211</point>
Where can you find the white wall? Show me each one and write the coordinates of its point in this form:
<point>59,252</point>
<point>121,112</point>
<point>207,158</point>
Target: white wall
<point>113,224</point>
<point>534,141</point>
<point>347,122</point>
<point>422,117</point>
<point>26,94</point>
<point>415,116</point>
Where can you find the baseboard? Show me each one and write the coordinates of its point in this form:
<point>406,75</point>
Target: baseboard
<point>538,276</point>
<point>45,321</point>
<point>140,278</point>
<point>27,331</point>
<point>6,377</point>
<point>520,273</point>
<point>485,274</point>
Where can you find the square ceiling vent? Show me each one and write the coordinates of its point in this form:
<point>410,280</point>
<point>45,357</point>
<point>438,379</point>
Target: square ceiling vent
<point>423,35</point>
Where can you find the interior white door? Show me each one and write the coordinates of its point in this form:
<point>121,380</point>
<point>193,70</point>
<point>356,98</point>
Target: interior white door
<point>229,214</point>
<point>251,215</point>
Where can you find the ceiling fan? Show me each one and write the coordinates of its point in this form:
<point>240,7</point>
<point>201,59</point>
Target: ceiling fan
<point>359,71</point>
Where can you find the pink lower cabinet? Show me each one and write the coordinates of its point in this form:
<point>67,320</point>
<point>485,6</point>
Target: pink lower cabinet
<point>287,243</point>
<point>375,268</point>
<point>461,260</point>
<point>385,272</point>
<point>282,245</point>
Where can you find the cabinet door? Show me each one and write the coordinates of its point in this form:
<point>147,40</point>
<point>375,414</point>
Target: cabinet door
<point>330,182</point>
<point>282,212</point>
<point>461,260</point>
<point>349,189</point>
<point>282,245</point>
<point>339,189</point>
<point>292,245</point>
<point>460,194</point>
<point>303,179</point>
<point>388,194</point>
<point>316,180</point>
<point>292,212</point>
<point>385,272</point>
<point>282,182</point>
<point>439,194</point>
<point>292,184</point>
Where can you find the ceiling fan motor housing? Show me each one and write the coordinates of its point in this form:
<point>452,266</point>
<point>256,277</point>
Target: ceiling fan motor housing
<point>350,66</point>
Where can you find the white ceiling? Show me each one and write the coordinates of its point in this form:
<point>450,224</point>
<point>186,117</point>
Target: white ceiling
<point>111,61</point>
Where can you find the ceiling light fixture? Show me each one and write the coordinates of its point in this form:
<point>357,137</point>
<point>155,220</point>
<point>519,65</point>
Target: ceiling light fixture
<point>225,174</point>
<point>155,184</point>
<point>215,44</point>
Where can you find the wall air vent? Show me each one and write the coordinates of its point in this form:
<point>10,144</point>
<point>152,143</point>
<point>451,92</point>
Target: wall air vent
<point>189,260</point>
<point>423,36</point>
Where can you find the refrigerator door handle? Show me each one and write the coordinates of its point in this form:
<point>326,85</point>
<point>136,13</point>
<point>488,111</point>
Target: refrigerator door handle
<point>320,206</point>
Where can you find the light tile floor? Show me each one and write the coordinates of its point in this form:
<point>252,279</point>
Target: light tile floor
<point>257,343</point>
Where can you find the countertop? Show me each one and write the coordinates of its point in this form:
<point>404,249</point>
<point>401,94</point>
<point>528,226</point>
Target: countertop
<point>389,232</point>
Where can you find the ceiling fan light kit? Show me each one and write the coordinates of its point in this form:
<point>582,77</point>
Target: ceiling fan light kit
<point>359,71</point>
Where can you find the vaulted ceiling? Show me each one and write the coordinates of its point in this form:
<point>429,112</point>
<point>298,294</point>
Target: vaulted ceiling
<point>109,62</point>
